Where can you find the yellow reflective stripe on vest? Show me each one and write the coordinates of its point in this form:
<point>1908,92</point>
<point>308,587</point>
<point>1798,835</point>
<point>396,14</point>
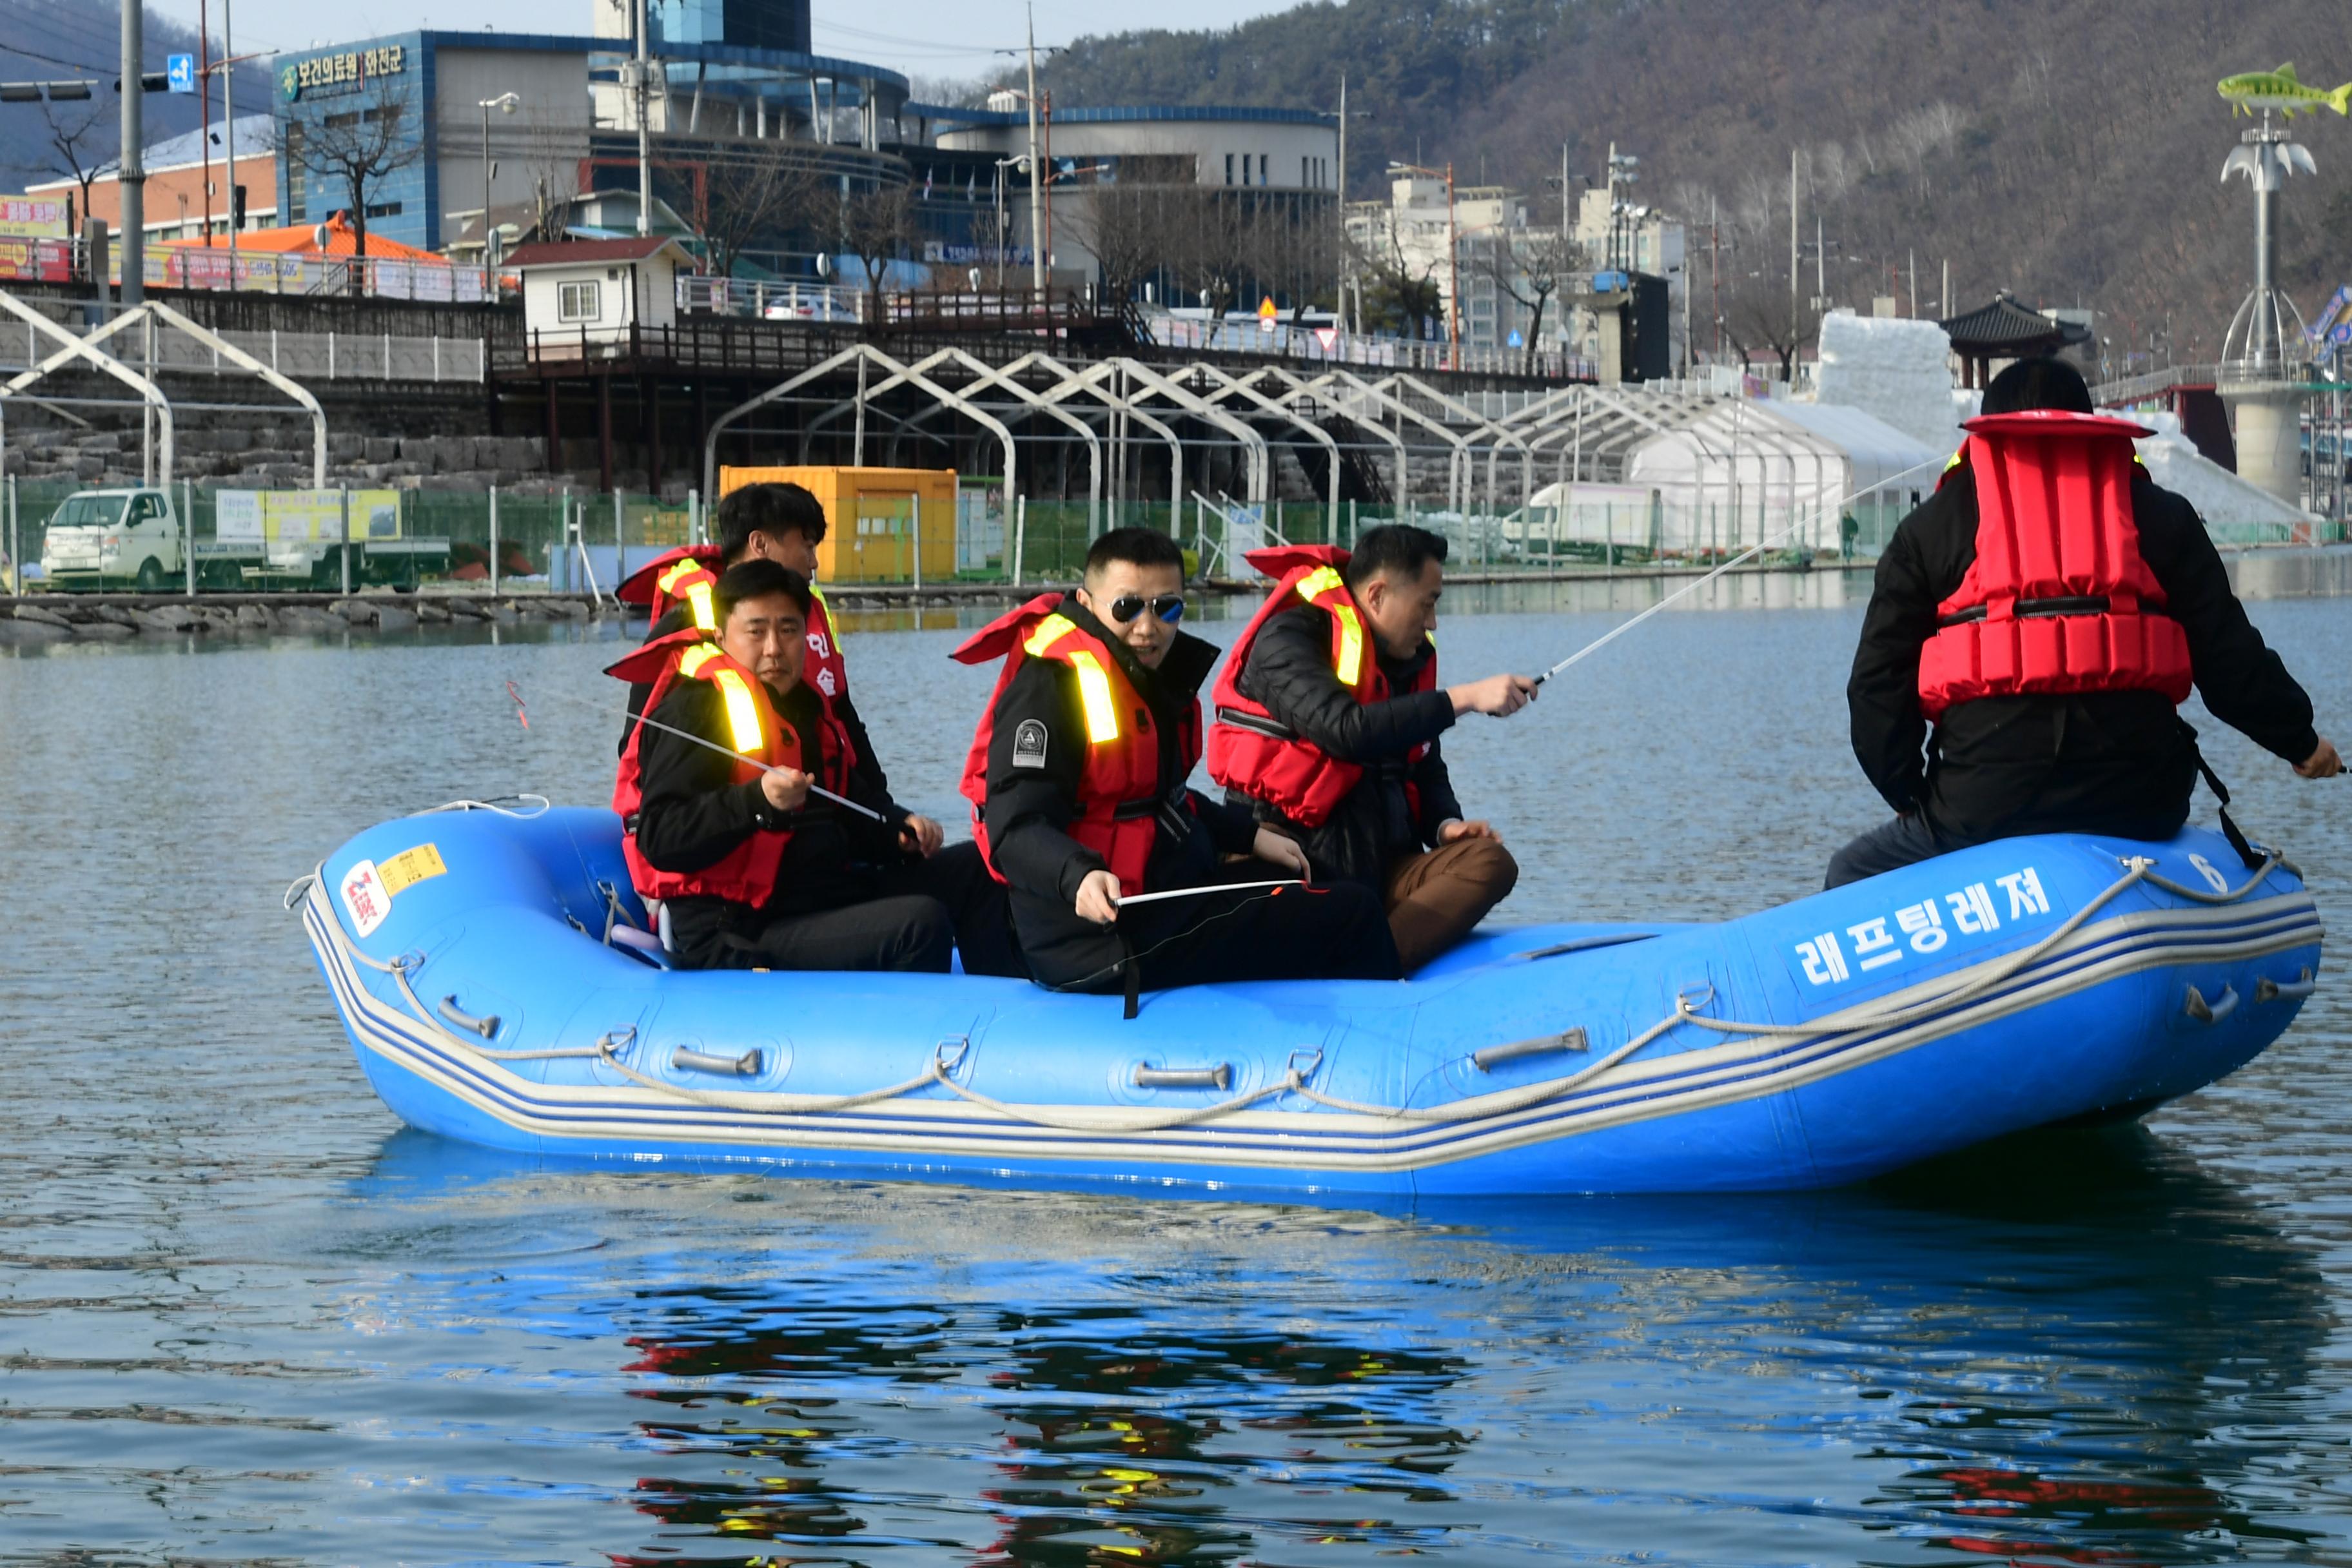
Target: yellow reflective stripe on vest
<point>1050,630</point>
<point>706,615</point>
<point>1322,580</point>
<point>742,714</point>
<point>668,580</point>
<point>1094,692</point>
<point>691,661</point>
<point>1352,645</point>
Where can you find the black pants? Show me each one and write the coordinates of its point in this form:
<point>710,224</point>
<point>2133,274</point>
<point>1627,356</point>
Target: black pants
<point>921,912</point>
<point>1890,846</point>
<point>1339,932</point>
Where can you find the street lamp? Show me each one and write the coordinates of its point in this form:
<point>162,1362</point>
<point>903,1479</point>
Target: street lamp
<point>505,103</point>
<point>1452,248</point>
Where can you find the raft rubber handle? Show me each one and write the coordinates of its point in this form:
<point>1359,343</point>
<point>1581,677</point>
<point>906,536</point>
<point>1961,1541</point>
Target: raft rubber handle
<point>1218,1077</point>
<point>2213,1012</point>
<point>1494,1056</point>
<point>745,1066</point>
<point>2269,990</point>
<point>485,1026</point>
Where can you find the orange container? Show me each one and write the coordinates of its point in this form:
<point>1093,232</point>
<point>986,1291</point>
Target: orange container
<point>882,525</point>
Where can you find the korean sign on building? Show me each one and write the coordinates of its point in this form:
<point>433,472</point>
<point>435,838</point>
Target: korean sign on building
<point>341,70</point>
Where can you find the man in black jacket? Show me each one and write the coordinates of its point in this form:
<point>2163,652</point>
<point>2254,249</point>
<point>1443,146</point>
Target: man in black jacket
<point>851,892</point>
<point>1400,831</point>
<point>1065,894</point>
<point>2120,763</point>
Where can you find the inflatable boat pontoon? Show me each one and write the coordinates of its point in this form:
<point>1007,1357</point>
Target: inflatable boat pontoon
<point>492,969</point>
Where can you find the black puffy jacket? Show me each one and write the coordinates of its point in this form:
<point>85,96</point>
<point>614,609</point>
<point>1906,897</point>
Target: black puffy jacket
<point>2122,762</point>
<point>1289,674</point>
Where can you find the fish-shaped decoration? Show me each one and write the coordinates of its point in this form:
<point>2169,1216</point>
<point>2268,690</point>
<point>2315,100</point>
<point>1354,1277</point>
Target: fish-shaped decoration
<point>2280,91</point>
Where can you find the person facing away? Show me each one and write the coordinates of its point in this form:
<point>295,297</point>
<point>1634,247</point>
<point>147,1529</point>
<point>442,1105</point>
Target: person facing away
<point>1078,775</point>
<point>1329,714</point>
<point>749,866</point>
<point>779,522</point>
<point>2022,662</point>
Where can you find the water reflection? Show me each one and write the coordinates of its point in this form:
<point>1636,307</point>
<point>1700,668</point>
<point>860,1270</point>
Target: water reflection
<point>2066,1348</point>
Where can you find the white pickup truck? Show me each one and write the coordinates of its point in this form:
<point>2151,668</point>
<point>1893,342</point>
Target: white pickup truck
<point>114,537</point>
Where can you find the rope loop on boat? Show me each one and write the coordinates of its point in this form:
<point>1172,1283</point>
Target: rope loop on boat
<point>950,1055</point>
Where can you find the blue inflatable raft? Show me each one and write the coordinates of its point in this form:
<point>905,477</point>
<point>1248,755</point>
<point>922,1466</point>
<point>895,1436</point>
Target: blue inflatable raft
<point>491,968</point>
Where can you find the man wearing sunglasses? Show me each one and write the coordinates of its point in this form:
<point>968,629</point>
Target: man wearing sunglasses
<point>1329,714</point>
<point>1078,778</point>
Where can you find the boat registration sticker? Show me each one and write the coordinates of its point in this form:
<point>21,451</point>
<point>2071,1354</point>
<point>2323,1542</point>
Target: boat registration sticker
<point>368,889</point>
<point>410,866</point>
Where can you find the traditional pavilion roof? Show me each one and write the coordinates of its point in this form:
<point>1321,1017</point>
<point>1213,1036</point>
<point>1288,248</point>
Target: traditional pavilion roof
<point>2006,325</point>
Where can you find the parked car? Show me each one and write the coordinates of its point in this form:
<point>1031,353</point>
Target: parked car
<point>123,538</point>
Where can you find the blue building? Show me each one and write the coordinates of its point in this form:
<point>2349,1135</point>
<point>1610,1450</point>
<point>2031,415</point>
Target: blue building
<point>433,128</point>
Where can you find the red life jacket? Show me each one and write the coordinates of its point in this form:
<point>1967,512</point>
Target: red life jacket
<point>689,572</point>
<point>2059,598</point>
<point>1119,789</point>
<point>1256,754</point>
<point>747,874</point>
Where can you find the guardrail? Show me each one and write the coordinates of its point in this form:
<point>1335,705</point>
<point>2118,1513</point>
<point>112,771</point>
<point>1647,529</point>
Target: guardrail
<point>1330,345</point>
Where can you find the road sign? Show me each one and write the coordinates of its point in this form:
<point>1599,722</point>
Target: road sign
<point>1267,313</point>
<point>181,71</point>
<point>1517,341</point>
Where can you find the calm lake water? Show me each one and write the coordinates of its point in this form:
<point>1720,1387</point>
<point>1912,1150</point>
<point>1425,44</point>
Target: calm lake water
<point>246,1317</point>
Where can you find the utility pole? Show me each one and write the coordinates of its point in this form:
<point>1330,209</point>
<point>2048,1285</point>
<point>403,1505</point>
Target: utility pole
<point>1944,305</point>
<point>1567,228</point>
<point>1915,284</point>
<point>1820,267</point>
<point>1715,270</point>
<point>645,148</point>
<point>204,117</point>
<point>1036,179</point>
<point>1794,245</point>
<point>228,114</point>
<point>1347,256</point>
<point>133,178</point>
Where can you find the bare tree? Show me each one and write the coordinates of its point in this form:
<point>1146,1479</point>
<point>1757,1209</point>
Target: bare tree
<point>1528,265</point>
<point>877,226</point>
<point>1395,296</point>
<point>357,138</point>
<point>81,141</point>
<point>1209,246</point>
<point>752,190</point>
<point>1128,229</point>
<point>1759,319</point>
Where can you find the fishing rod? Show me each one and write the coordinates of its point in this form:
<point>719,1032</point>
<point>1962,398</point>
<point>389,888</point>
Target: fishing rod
<point>1211,888</point>
<point>1596,644</point>
<point>815,789</point>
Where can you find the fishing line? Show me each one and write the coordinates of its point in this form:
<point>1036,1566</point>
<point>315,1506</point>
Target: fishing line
<point>685,735</point>
<point>1596,644</point>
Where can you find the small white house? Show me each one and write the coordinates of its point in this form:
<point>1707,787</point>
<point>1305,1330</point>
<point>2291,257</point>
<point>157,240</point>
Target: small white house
<point>591,291</point>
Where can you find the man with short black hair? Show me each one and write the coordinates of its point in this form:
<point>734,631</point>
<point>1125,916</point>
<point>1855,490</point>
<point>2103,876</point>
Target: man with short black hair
<point>1078,780</point>
<point>1329,714</point>
<point>751,864</point>
<point>767,521</point>
<point>2047,611</point>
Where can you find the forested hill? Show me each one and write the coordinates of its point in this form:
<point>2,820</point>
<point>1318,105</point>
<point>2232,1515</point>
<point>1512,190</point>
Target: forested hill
<point>2068,150</point>
<point>54,40</point>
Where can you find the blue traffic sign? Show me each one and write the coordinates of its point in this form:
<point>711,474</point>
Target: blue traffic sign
<point>180,70</point>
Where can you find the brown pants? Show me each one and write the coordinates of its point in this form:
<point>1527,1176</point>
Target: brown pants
<point>1436,897</point>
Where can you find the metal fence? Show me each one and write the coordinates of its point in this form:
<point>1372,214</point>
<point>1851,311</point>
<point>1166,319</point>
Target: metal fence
<point>305,356</point>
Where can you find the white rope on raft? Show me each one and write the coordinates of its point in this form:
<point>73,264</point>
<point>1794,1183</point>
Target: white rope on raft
<point>941,1068</point>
